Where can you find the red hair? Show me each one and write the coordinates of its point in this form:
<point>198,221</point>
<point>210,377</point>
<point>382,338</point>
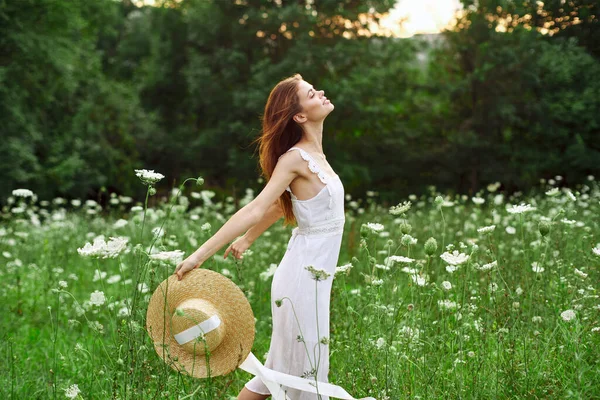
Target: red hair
<point>279,133</point>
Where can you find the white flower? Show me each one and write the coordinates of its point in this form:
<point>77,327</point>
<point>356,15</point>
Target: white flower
<point>265,275</point>
<point>63,284</point>
<point>447,304</point>
<point>454,258</point>
<point>169,257</point>
<point>510,230</point>
<point>120,223</point>
<point>317,273</point>
<point>478,200</point>
<point>102,249</point>
<point>451,268</point>
<point>571,195</point>
<point>158,232</point>
<point>419,280</point>
<point>446,285</point>
<point>343,269</point>
<point>72,391</point>
<point>374,226</point>
<point>400,208</point>
<point>401,259</point>
<point>377,282</point>
<point>487,267</point>
<point>487,229</point>
<point>520,209</point>
<point>536,319</point>
<point>97,298</point>
<point>552,192</point>
<point>596,251</point>
<point>380,343</point>
<point>22,193</point>
<point>536,268</point>
<point>519,290</point>
<point>580,273</point>
<point>567,315</point>
<point>143,287</point>
<point>492,287</point>
<point>148,177</point>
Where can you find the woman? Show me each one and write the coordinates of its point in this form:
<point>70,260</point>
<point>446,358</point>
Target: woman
<point>309,193</point>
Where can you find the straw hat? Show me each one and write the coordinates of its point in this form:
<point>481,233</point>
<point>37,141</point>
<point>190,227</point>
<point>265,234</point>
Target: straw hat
<point>206,302</point>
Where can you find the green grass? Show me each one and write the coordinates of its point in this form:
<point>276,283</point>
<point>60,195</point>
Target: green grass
<point>391,336</point>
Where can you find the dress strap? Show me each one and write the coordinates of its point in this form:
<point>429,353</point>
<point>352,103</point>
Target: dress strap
<point>314,167</point>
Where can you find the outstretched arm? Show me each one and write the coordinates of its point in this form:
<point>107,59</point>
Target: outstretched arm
<point>273,214</point>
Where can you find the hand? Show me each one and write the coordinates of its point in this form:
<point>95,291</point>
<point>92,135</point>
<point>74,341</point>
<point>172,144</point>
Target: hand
<point>187,265</point>
<point>238,247</point>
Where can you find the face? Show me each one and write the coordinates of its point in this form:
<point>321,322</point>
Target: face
<point>315,104</point>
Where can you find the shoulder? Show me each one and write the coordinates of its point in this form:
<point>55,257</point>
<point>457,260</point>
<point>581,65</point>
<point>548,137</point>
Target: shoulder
<point>291,161</point>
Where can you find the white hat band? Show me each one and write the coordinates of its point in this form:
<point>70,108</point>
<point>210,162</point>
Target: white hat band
<point>197,330</point>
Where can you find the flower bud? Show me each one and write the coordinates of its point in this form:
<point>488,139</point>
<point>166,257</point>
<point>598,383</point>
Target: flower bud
<point>151,191</point>
<point>364,231</point>
<point>430,246</point>
<point>544,227</point>
<point>405,228</point>
<point>278,302</point>
<point>200,181</point>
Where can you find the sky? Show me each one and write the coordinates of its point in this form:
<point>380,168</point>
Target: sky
<point>421,16</point>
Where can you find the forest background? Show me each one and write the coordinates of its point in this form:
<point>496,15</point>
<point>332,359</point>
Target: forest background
<point>91,90</point>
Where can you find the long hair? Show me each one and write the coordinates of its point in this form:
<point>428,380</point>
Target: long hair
<point>279,133</point>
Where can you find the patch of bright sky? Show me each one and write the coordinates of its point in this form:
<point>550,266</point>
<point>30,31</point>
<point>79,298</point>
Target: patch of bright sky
<point>410,17</point>
<point>407,18</point>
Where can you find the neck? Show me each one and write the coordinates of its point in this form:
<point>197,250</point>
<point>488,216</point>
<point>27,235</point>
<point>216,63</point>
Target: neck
<point>313,136</point>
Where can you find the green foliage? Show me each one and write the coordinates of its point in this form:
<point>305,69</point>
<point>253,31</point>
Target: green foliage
<point>91,90</point>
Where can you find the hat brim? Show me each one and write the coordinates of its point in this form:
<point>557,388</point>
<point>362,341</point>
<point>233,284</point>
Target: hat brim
<point>235,313</point>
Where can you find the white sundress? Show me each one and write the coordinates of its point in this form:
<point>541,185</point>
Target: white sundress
<point>315,241</point>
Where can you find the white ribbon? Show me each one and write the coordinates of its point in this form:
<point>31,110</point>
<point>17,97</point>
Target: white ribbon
<point>274,380</point>
<point>197,330</point>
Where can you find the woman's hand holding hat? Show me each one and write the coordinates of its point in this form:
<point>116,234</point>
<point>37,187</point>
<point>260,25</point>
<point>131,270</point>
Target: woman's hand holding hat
<point>188,264</point>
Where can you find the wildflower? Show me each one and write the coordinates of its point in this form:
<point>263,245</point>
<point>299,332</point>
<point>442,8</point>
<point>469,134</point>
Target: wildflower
<point>170,257</point>
<point>520,209</point>
<point>400,208</point>
<point>324,340</point>
<point>419,280</point>
<point>571,195</point>
<point>536,319</point>
<point>343,269</point>
<point>596,250</point>
<point>519,290</point>
<point>478,200</point>
<point>446,285</point>
<point>552,192</point>
<point>454,258</point>
<point>408,240</point>
<point>205,227</point>
<point>148,177</point>
<point>22,193</point>
<point>200,181</point>
<point>72,391</point>
<point>278,302</point>
<point>373,226</point>
<point>401,259</point>
<point>536,268</point>
<point>97,298</point>
<point>580,273</point>
<point>318,274</point>
<point>430,246</point>
<point>451,268</point>
<point>377,282</point>
<point>567,315</point>
<point>120,223</point>
<point>487,229</point>
<point>380,342</point>
<point>265,275</point>
<point>102,249</point>
<point>63,284</point>
<point>511,230</point>
<point>493,287</point>
<point>447,304</point>
<point>487,267</point>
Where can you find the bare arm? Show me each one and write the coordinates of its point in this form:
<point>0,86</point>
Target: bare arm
<point>239,223</point>
<point>273,214</point>
<point>284,173</point>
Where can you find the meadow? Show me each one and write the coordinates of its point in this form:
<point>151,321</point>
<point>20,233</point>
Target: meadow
<point>483,296</point>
